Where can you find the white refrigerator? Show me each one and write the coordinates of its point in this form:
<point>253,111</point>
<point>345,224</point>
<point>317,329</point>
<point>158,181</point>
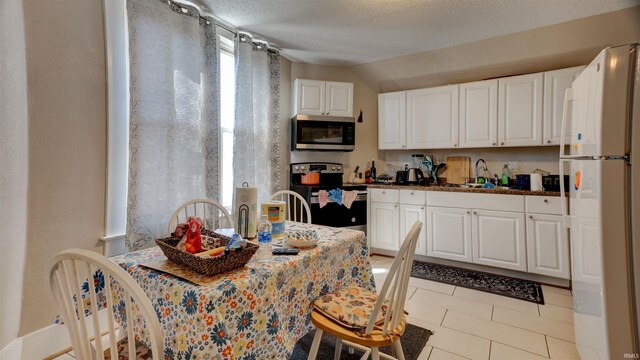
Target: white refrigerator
<point>601,131</point>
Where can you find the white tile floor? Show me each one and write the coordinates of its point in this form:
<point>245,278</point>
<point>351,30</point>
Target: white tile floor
<point>470,324</point>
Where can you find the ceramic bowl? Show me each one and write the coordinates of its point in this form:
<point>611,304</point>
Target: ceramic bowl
<point>301,238</point>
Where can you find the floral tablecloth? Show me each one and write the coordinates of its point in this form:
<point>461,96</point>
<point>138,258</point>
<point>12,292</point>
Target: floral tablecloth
<point>259,311</point>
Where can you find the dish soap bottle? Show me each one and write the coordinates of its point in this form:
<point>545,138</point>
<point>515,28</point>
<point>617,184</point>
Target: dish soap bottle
<point>505,175</point>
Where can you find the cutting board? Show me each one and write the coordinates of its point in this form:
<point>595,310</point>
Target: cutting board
<point>458,169</point>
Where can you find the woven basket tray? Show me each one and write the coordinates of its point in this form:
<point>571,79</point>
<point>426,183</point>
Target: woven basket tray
<point>206,265</point>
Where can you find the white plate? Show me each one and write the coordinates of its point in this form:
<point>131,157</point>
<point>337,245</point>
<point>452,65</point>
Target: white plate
<point>301,238</point>
<point>301,243</point>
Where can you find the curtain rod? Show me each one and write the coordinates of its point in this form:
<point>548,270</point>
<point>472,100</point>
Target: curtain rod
<point>221,23</point>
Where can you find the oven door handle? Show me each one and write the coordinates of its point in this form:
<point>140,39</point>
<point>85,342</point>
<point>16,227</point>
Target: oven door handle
<point>316,199</point>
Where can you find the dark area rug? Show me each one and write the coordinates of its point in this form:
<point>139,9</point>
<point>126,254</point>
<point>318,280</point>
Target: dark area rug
<point>496,284</point>
<point>413,341</point>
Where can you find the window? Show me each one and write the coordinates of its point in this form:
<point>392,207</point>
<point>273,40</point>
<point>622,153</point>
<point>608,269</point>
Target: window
<point>227,116</point>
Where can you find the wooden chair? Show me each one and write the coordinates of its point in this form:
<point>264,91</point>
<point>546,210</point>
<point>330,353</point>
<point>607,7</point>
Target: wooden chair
<point>297,206</point>
<point>391,298</point>
<point>210,211</point>
<point>95,334</point>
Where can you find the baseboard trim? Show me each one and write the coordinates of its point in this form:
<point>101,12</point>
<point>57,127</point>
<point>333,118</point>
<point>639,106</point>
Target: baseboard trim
<point>38,344</point>
<point>12,351</point>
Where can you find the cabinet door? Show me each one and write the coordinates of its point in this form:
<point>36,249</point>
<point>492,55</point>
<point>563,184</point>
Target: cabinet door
<point>409,214</point>
<point>449,233</point>
<point>338,99</point>
<point>547,246</point>
<point>520,110</point>
<point>479,114</point>
<point>499,239</point>
<point>432,118</point>
<point>392,120</point>
<point>310,97</point>
<point>555,84</point>
<point>385,226</point>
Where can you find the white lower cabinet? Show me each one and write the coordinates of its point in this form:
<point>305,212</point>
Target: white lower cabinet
<point>547,246</point>
<point>392,213</point>
<point>498,239</point>
<point>449,233</point>
<point>385,226</point>
<point>409,214</point>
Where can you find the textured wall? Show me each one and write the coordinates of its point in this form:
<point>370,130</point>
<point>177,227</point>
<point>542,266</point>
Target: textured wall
<point>67,133</point>
<point>13,167</point>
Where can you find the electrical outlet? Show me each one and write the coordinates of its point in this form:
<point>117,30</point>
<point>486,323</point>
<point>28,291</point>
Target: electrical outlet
<point>512,166</point>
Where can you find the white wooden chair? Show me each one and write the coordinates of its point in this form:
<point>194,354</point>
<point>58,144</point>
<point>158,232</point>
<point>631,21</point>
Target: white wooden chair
<point>95,334</point>
<point>376,334</point>
<point>297,206</point>
<point>209,211</point>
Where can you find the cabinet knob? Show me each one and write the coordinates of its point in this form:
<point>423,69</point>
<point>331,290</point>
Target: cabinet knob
<point>468,212</point>
<point>327,113</point>
<point>455,145</point>
<point>384,192</point>
<point>530,216</point>
<point>475,213</point>
<point>421,207</point>
<point>548,141</point>
<point>546,201</point>
<point>502,143</point>
<point>412,193</point>
<point>494,144</point>
<point>395,206</point>
<point>404,146</point>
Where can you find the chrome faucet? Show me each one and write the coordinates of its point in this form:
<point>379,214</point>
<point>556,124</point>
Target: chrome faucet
<point>484,168</point>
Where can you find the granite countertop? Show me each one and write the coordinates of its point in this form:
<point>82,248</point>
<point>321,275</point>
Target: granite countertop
<point>461,189</point>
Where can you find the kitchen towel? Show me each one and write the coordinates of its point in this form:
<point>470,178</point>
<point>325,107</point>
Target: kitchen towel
<point>323,198</point>
<point>336,195</point>
<point>246,211</point>
<point>348,197</point>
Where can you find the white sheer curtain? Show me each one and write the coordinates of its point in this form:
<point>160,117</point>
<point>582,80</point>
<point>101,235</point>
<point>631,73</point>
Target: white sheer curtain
<point>174,121</point>
<point>256,132</point>
<point>14,163</point>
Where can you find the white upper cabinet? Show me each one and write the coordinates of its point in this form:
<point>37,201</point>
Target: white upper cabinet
<point>479,114</point>
<point>520,110</point>
<point>316,97</point>
<point>555,84</point>
<point>432,118</point>
<point>392,129</point>
<point>339,99</point>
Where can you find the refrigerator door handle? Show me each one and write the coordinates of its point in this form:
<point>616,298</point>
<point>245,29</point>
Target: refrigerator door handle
<point>568,97</point>
<point>566,218</point>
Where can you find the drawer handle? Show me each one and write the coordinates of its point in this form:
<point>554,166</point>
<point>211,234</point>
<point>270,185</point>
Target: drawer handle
<point>546,201</point>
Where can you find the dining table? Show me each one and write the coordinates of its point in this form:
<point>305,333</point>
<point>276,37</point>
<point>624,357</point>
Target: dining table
<point>258,311</point>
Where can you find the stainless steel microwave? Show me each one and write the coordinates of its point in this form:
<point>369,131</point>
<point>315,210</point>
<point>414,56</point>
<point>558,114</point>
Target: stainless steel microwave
<point>324,133</point>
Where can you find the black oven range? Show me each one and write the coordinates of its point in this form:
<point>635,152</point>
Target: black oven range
<point>332,214</point>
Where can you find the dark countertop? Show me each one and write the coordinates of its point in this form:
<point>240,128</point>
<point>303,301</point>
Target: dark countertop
<point>461,189</point>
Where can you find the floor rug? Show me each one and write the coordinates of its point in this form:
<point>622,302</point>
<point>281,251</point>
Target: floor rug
<point>413,341</point>
<point>496,284</point>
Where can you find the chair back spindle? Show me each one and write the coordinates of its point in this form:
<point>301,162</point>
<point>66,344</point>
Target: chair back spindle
<point>213,214</point>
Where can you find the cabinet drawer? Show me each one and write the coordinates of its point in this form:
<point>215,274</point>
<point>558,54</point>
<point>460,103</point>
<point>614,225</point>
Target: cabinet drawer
<point>384,195</point>
<point>498,202</point>
<point>413,197</point>
<point>544,204</point>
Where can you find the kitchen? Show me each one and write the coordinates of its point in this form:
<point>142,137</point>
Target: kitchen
<point>526,52</point>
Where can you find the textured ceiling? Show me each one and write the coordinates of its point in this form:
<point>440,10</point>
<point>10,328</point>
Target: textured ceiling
<point>347,32</point>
